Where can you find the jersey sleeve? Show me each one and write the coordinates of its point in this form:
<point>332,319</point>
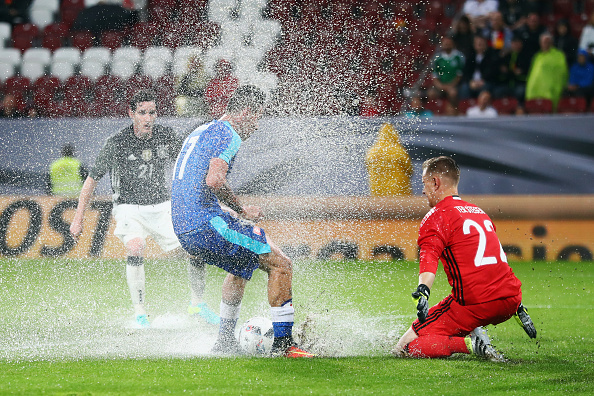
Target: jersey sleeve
<point>104,160</point>
<point>230,148</point>
<point>432,241</point>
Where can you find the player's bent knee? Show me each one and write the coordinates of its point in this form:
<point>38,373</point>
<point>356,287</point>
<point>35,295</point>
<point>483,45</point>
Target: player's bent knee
<point>135,247</point>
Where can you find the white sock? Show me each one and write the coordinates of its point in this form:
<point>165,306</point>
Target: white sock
<point>136,285</point>
<point>230,312</point>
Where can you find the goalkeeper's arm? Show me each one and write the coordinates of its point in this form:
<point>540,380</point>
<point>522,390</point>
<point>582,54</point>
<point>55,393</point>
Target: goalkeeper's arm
<point>421,295</point>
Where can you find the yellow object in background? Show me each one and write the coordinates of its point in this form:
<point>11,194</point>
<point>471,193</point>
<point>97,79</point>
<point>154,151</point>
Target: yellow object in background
<point>389,165</point>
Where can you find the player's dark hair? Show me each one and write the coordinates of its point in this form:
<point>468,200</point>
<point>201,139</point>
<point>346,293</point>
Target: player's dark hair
<point>68,150</point>
<point>443,165</point>
<point>144,95</point>
<point>247,96</point>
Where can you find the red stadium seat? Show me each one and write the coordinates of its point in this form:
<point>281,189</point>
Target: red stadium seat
<point>538,106</point>
<point>577,23</point>
<point>56,29</point>
<point>160,16</point>
<point>565,8</point>
<point>571,105</point>
<point>18,86</point>
<point>68,15</point>
<point>506,106</point>
<point>24,36</point>
<point>45,90</point>
<point>465,104</point>
<point>166,4</point>
<point>165,89</point>
<point>588,6</point>
<point>72,4</point>
<point>112,39</point>
<point>82,40</point>
<point>51,42</point>
<point>437,106</point>
<point>143,35</point>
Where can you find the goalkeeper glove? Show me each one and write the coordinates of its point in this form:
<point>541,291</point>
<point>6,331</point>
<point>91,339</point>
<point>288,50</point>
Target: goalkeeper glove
<point>524,320</point>
<point>420,298</point>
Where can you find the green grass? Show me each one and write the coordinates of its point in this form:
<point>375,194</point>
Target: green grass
<point>65,329</point>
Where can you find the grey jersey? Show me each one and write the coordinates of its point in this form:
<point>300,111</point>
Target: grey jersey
<point>137,166</point>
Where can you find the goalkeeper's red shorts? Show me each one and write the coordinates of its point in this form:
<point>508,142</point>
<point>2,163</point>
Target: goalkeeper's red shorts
<point>452,319</point>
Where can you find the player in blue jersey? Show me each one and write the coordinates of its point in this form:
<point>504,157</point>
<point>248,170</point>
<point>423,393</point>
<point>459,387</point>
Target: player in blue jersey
<point>212,224</point>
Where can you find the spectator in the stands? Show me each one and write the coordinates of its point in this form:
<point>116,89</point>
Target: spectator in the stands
<point>480,70</point>
<point>564,40</point>
<point>514,12</point>
<point>581,77</point>
<point>416,108</point>
<point>15,11</point>
<point>220,88</point>
<point>587,37</point>
<point>530,33</point>
<point>499,36</point>
<point>463,35</point>
<point>190,89</point>
<point>448,66</point>
<point>513,72</point>
<point>548,74</point>
<point>483,108</point>
<point>478,11</point>
<point>10,108</point>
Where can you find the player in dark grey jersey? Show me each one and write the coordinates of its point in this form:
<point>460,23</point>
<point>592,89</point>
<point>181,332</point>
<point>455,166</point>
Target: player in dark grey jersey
<point>136,158</point>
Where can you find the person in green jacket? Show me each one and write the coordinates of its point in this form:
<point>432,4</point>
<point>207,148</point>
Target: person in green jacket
<point>548,73</point>
<point>66,174</point>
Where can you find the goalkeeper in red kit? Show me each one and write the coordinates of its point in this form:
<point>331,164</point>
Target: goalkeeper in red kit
<point>484,288</point>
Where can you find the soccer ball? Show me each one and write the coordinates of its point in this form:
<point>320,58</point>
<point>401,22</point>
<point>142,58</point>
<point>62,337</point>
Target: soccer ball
<point>256,336</point>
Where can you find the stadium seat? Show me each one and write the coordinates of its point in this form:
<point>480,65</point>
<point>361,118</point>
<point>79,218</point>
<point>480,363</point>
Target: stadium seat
<point>538,106</point>
<point>165,89</point>
<point>62,69</point>
<point>98,54</point>
<point>19,86</point>
<point>122,69</point>
<point>11,56</point>
<point>437,106</point>
<point>112,39</point>
<point>41,17</point>
<point>464,105</point>
<point>69,54</point>
<point>56,29</point>
<point>143,35</point>
<point>40,55</point>
<point>82,40</point>
<point>92,68</point>
<point>564,8</point>
<point>5,33</point>
<point>506,106</point>
<point>129,54</point>
<point>25,30</point>
<point>52,43</point>
<point>571,105</point>
<point>136,83</point>
<point>45,90</point>
<point>68,15</point>
<point>32,69</point>
<point>588,6</point>
<point>6,71</point>
<point>52,5</point>
<point>154,68</point>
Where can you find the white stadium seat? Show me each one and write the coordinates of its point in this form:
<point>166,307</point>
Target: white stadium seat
<point>164,54</point>
<point>101,54</point>
<point>92,68</point>
<point>67,54</point>
<point>6,70</point>
<point>10,55</point>
<point>41,17</point>
<point>154,68</point>
<point>122,68</point>
<point>62,70</point>
<point>5,33</point>
<point>39,55</point>
<point>130,54</point>
<point>52,5</point>
<point>32,69</point>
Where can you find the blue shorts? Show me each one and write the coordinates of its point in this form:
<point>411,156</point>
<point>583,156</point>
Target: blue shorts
<point>228,243</point>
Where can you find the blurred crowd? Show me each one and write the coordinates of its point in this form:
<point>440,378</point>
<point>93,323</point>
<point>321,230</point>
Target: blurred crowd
<point>483,57</point>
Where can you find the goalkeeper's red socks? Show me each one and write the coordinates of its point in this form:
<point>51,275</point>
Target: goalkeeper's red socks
<point>436,346</point>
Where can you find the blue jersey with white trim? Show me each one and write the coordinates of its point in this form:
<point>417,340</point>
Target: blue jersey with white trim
<point>193,203</point>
